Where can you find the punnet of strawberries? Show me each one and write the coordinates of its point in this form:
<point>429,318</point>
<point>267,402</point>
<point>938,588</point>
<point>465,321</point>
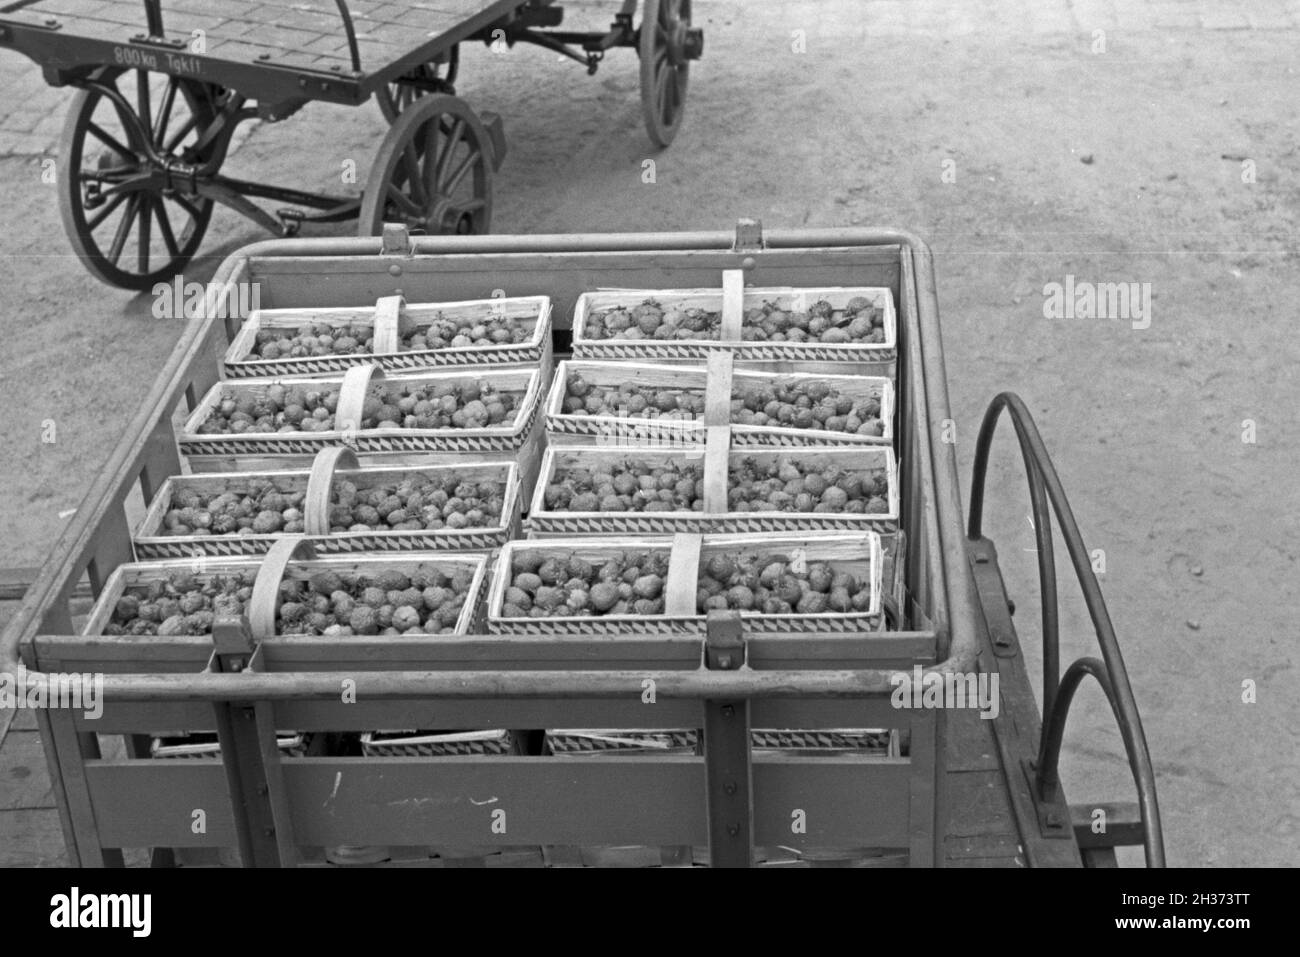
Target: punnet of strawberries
<point>629,583</point>
<point>633,583</point>
<point>773,484</point>
<point>428,601</point>
<point>443,331</point>
<point>269,506</point>
<point>792,404</point>
<point>775,585</point>
<point>858,321</point>
<point>468,404</point>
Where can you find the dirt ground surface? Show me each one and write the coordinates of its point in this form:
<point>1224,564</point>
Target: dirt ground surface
<point>1170,158</point>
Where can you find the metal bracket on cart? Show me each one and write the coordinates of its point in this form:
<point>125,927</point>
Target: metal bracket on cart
<point>749,236</point>
<point>728,760</point>
<point>250,753</point>
<point>396,241</point>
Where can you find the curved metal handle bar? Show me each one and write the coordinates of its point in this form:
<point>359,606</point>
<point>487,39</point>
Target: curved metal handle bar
<point>1056,700</point>
<point>351,31</point>
<point>1054,733</point>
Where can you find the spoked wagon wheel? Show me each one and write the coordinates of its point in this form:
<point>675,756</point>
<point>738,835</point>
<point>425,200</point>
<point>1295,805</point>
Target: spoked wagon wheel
<point>433,172</point>
<point>127,217</point>
<point>665,66</point>
<point>395,97</point>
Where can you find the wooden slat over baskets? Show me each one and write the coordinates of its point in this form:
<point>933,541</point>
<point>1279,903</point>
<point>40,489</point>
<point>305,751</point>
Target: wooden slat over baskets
<point>304,501</point>
<point>394,334</point>
<point>290,592</point>
<point>732,317</point>
<point>353,419</point>
<point>681,401</point>
<point>673,490</point>
<point>672,584</point>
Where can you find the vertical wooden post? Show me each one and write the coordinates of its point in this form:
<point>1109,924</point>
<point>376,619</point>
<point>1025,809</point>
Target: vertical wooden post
<point>728,761</point>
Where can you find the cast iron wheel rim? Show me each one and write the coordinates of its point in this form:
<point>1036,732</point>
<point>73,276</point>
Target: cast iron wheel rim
<point>133,236</point>
<point>393,98</point>
<point>433,172</point>
<point>665,70</point>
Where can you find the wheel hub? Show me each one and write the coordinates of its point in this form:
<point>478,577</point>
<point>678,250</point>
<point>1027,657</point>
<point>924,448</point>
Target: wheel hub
<point>448,218</point>
<point>677,31</point>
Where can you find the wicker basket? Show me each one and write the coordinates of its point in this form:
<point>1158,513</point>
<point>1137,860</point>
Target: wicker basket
<point>862,356</point>
<point>290,557</point>
<point>573,741</point>
<point>858,741</point>
<point>858,554</point>
<point>383,319</point>
<point>509,437</point>
<point>681,430</point>
<point>316,486</point>
<point>714,518</point>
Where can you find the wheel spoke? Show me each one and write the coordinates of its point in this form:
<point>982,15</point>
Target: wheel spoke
<point>661,93</point>
<point>472,205</point>
<point>123,229</point>
<point>164,112</point>
<point>109,140</point>
<point>414,178</point>
<point>184,131</point>
<point>448,187</point>
<point>130,122</point>
<point>191,224</point>
<point>433,140</point>
<point>146,210</point>
<point>142,96</point>
<point>444,157</point>
<point>186,205</point>
<point>404,202</point>
<point>165,230</point>
<point>107,210</point>
<point>675,89</point>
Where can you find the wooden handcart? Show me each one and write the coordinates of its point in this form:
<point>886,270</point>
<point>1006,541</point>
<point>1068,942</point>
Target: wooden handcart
<point>945,786</point>
<point>162,88</point>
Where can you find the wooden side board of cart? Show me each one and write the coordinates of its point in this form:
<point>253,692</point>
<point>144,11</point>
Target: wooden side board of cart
<point>160,98</point>
<point>969,791</point>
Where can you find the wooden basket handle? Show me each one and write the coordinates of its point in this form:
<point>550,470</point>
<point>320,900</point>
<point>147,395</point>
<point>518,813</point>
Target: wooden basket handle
<point>717,388</point>
<point>683,576</point>
<point>352,396</point>
<point>717,448</point>
<point>388,312</point>
<point>733,304</point>
<point>265,603</point>
<point>320,487</point>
